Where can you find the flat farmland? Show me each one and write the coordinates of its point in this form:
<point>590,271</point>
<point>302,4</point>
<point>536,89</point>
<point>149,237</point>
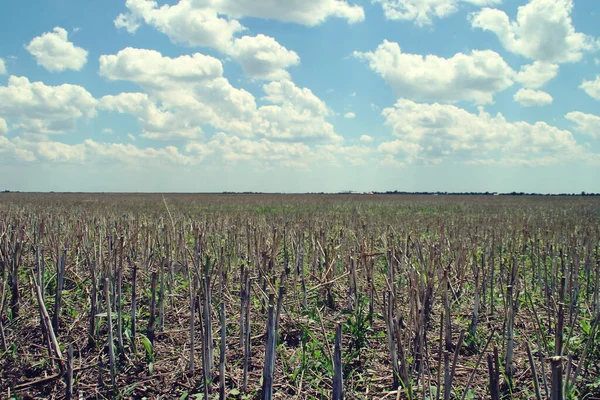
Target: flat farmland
<point>299,296</point>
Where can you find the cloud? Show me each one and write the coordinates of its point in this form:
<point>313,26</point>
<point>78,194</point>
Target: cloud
<point>2,67</point>
<point>196,149</point>
<point>232,149</point>
<point>306,12</point>
<point>58,152</point>
<point>92,152</point>
<point>156,123</point>
<point>532,98</point>
<point>542,31</point>
<point>220,150</point>
<point>536,75</point>
<point>130,22</point>
<point>592,88</point>
<point>107,130</point>
<point>128,153</point>
<point>287,92</point>
<point>400,152</point>
<point>198,25</point>
<point>297,114</point>
<point>475,77</point>
<point>349,115</point>
<point>366,138</point>
<point>182,23</point>
<point>9,152</point>
<point>223,148</point>
<point>422,12</point>
<point>192,87</point>
<point>261,57</point>
<point>150,70</point>
<point>431,133</point>
<point>40,109</point>
<point>191,92</point>
<point>3,126</point>
<point>53,51</point>
<point>588,124</point>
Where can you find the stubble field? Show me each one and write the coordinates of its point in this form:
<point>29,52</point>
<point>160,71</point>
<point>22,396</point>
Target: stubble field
<point>299,296</point>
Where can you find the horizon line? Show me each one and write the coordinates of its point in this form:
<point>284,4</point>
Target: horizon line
<point>344,192</point>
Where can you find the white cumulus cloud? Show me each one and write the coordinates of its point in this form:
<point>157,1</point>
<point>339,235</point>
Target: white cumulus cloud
<point>401,152</point>
<point>92,152</point>
<point>40,109</point>
<point>11,152</point>
<point>156,123</point>
<point>430,133</point>
<point>592,88</point>
<point>151,70</point>
<point>476,76</point>
<point>182,23</point>
<point>532,98</point>
<point>233,149</point>
<point>422,12</point>
<point>296,114</point>
<point>543,30</point>
<point>191,92</point>
<point>588,124</point>
<point>2,67</point>
<point>53,51</point>
<point>306,12</point>
<point>3,126</point>
<point>366,138</point>
<point>536,75</point>
<point>262,57</point>
<point>349,115</point>
<point>200,25</point>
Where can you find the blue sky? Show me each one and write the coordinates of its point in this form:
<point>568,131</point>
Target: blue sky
<point>301,95</point>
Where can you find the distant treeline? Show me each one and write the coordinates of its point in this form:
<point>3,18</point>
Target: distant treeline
<point>403,193</point>
<point>489,193</point>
